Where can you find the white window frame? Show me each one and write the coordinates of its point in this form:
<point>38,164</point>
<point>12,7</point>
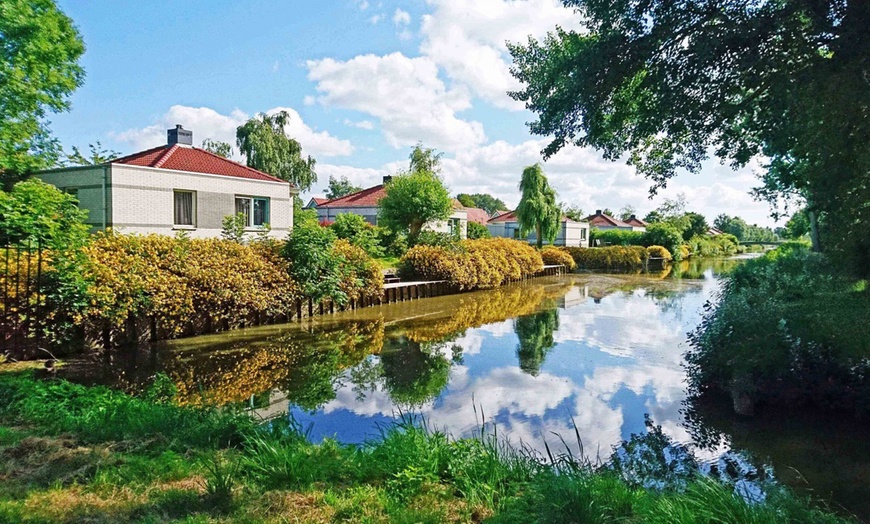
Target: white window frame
<point>193,211</point>
<point>250,223</point>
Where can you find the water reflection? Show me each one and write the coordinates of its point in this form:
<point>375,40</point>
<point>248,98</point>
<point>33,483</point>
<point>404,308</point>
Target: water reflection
<point>601,353</point>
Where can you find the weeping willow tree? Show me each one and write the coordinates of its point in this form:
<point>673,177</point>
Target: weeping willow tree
<point>538,210</point>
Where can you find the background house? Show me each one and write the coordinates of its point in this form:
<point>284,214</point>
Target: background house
<point>365,204</point>
<point>571,232</point>
<point>177,187</point>
<point>604,222</point>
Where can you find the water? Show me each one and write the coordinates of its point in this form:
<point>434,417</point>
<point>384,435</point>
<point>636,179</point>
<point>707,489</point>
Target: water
<point>601,353</point>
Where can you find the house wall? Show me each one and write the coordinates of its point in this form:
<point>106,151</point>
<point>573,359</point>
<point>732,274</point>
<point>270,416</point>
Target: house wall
<point>443,226</point>
<point>90,185</point>
<point>140,199</point>
<point>570,234</point>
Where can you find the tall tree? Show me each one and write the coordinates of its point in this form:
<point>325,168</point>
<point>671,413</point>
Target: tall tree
<point>538,210</point>
<point>339,187</point>
<point>96,156</point>
<point>574,212</point>
<point>411,200</point>
<point>425,159</point>
<point>665,82</point>
<point>39,69</point>
<point>484,201</point>
<point>627,212</point>
<point>217,147</point>
<point>697,225</point>
<point>267,148</point>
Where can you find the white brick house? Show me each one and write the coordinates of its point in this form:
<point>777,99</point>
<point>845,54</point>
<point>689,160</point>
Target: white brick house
<point>177,187</point>
<point>571,232</point>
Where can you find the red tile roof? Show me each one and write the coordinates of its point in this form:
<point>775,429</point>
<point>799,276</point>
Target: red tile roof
<point>319,200</point>
<point>636,222</point>
<point>477,215</point>
<point>602,220</point>
<point>365,198</point>
<point>192,159</point>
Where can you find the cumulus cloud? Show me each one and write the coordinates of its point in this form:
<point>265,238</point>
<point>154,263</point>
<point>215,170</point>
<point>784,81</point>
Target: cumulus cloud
<point>208,123</point>
<point>468,39</point>
<point>405,94</point>
<point>401,18</point>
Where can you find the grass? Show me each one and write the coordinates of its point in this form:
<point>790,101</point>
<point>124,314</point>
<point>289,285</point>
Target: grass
<point>70,453</point>
<point>387,262</point>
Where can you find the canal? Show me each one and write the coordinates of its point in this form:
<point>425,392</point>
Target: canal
<point>541,362</point>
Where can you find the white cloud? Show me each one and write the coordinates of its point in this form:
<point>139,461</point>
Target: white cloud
<point>468,39</point>
<point>362,124</point>
<point>363,5</point>
<point>401,18</point>
<point>374,19</point>
<point>208,123</point>
<point>405,94</point>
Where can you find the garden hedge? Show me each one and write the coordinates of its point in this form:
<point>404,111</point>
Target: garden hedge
<point>557,256</point>
<point>612,257</point>
<point>472,264</point>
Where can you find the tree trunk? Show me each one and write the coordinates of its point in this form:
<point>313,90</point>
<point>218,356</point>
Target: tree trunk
<point>538,234</point>
<point>414,229</point>
<point>814,231</point>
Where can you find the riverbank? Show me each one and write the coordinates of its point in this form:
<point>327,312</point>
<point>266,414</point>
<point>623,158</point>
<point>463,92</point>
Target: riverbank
<point>70,453</point>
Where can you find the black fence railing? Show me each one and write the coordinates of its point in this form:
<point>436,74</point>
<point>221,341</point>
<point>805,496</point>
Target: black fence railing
<point>22,299</point>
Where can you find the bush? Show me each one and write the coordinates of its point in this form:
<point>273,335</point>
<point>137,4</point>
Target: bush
<point>713,245</point>
<point>786,329</point>
<point>434,238</point>
<point>179,281</point>
<point>472,264</point>
<point>476,231</point>
<point>616,237</point>
<point>613,257</point>
<point>665,235</point>
<point>558,256</point>
<point>658,252</point>
<point>358,232</point>
<point>34,212</point>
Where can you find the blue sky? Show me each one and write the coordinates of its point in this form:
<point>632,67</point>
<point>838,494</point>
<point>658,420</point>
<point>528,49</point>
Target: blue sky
<point>363,80</point>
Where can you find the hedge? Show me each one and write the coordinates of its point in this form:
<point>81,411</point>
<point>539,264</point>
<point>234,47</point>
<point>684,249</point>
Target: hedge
<point>472,264</point>
<point>557,256</point>
<point>612,257</point>
<point>659,252</point>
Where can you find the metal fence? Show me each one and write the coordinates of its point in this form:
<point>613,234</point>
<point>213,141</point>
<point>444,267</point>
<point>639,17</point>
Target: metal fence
<point>22,298</point>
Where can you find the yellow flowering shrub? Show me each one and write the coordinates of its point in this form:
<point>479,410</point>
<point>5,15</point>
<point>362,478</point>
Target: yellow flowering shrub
<point>611,257</point>
<point>475,264</point>
<point>558,256</point>
<point>659,252</point>
<point>364,278</point>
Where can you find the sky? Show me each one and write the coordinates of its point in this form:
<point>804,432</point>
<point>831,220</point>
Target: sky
<point>363,81</point>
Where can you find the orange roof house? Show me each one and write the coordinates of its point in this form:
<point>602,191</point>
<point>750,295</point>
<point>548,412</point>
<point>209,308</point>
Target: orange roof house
<point>177,187</point>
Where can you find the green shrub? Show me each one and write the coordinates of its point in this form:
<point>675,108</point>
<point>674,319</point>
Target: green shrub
<point>665,235</point>
<point>612,257</point>
<point>355,229</point>
<point>34,212</point>
<point>658,252</point>
<point>476,231</point>
<point>616,237</point>
<point>434,238</point>
<point>472,264</point>
<point>713,245</point>
<point>558,256</point>
<point>786,329</point>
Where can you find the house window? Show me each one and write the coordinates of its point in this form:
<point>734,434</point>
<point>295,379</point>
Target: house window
<point>582,233</point>
<point>255,209</point>
<point>516,233</point>
<point>185,208</point>
<point>453,224</point>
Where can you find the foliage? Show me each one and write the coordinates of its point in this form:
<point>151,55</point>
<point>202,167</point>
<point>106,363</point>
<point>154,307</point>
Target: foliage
<point>659,252</point>
<point>484,201</point>
<point>476,264</point>
<point>34,212</point>
<point>394,243</point>
<point>616,237</point>
<point>744,232</point>
<point>535,334</point>
<point>574,212</point>
<point>361,275</point>
<point>180,282</point>
<point>339,187</point>
<point>233,227</point>
<point>413,199</point>
<point>798,225</point>
<point>217,147</point>
<point>553,256</point>
<point>435,238</point>
<point>662,234</point>
<point>538,210</point>
<point>425,160</point>
<point>98,155</point>
<point>314,264</point>
<point>39,70</point>
<point>267,148</point>
<point>697,225</point>
<point>713,245</point>
<point>787,329</point>
<point>613,257</point>
<point>476,230</point>
<point>414,372</point>
<point>357,231</point>
<point>627,212</point>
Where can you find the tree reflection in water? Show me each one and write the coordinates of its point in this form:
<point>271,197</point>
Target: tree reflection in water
<point>535,333</point>
<point>413,372</point>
